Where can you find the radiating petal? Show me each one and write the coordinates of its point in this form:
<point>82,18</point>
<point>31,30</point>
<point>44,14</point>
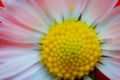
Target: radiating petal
<point>97,9</point>
<point>87,78</point>
<point>13,30</point>
<point>11,52</point>
<point>14,65</point>
<point>29,72</point>
<point>65,8</point>
<point>110,53</point>
<point>115,11</point>
<point>106,72</point>
<point>74,8</point>
<point>109,31</point>
<point>111,18</point>
<point>111,37</point>
<point>110,68</point>
<point>6,43</point>
<point>17,34</point>
<point>7,18</point>
<point>42,74</point>
<point>54,8</point>
<point>78,8</point>
<point>29,15</point>
<point>111,46</point>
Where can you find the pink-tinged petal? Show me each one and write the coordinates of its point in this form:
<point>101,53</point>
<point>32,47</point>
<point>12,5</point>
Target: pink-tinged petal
<point>113,54</point>
<point>109,31</point>
<point>111,36</point>
<point>96,10</point>
<point>26,14</point>
<point>29,72</point>
<point>5,43</point>
<point>54,8</point>
<point>60,9</point>
<point>16,65</point>
<point>108,14</point>
<point>40,7</point>
<point>6,18</point>
<point>111,67</point>
<point>17,34</point>
<point>112,18</point>
<point>114,12</point>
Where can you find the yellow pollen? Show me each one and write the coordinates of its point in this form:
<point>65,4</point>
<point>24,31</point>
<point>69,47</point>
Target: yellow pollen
<point>70,49</point>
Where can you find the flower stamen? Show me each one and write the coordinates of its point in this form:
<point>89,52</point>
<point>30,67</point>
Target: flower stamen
<point>70,49</point>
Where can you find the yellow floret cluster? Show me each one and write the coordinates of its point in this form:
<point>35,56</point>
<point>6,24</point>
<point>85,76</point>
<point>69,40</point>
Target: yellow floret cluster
<point>70,49</point>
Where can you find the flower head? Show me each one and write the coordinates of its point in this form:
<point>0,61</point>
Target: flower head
<point>59,39</point>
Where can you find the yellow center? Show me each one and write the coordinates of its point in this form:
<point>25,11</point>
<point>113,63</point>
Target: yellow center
<point>70,49</point>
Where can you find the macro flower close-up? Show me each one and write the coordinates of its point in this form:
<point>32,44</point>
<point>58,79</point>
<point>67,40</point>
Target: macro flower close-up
<point>59,39</point>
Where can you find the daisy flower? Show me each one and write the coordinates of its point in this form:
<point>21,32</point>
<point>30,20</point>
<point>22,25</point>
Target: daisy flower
<point>59,39</point>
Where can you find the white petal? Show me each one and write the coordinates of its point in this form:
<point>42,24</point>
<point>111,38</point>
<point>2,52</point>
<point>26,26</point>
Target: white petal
<point>15,65</point>
<point>87,78</point>
<point>42,74</point>
<point>30,71</point>
<point>110,68</point>
<point>79,7</point>
<point>106,72</point>
<point>65,8</point>
<point>111,46</point>
<point>113,65</point>
<point>74,8</point>
<point>11,52</point>
<point>97,9</point>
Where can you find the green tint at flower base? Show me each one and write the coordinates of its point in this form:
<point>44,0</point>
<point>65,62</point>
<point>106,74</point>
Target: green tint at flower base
<point>70,49</point>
